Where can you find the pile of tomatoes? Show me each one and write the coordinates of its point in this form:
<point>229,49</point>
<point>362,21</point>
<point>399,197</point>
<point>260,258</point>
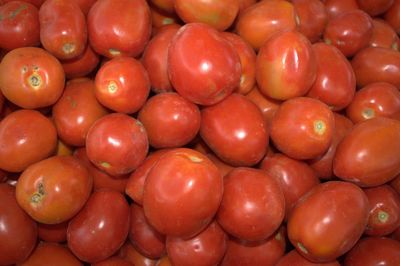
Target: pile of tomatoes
<point>193,132</point>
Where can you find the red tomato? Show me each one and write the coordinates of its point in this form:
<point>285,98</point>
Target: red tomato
<point>294,258</point>
<point>53,232</point>
<point>129,253</point>
<point>160,19</point>
<point>117,144</point>
<point>119,28</point>
<point>369,155</point>
<point>19,25</point>
<point>392,16</point>
<point>338,7</point>
<point>235,131</point>
<point>18,232</point>
<point>85,5</point>
<point>375,7</point>
<point>328,220</point>
<point>26,137</point>
<point>383,35</point>
<point>203,67</point>
<point>164,261</point>
<point>31,78</point>
<point>223,167</point>
<point>36,3</point>
<point>188,179</point>
<point>100,228</point>
<point>164,5</point>
<point>113,261</point>
<point>82,65</point>
<point>52,196</point>
<point>286,66</point>
<point>302,128</point>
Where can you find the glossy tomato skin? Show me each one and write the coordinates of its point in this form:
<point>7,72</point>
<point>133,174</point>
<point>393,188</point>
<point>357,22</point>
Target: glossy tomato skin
<point>257,23</point>
<point>253,204</point>
<point>129,253</point>
<point>113,261</point>
<point>160,19</point>
<point>338,7</point>
<point>335,83</point>
<point>51,254</point>
<point>143,236</point>
<point>383,35</point>
<point>369,154</point>
<point>76,111</point>
<point>63,30</point>
<point>155,59</point>
<point>295,177</point>
<point>19,26</point>
<point>328,220</point>
<point>164,5</point>
<point>177,118</point>
<point>119,28</point>
<point>349,32</point>
<point>82,65</point>
<point>374,251</point>
<point>203,67</point>
<point>302,128</point>
<point>122,85</point>
<point>188,179</point>
<point>206,248</point>
<point>392,16</point>
<point>286,66</point>
<point>85,5</point>
<point>18,233</point>
<point>36,3</point>
<point>56,233</point>
<point>100,228</point>
<point>375,7</point>
<point>117,144</point>
<point>371,64</point>
<point>243,138</point>
<point>50,196</point>
<point>294,258</point>
<point>26,137</point>
<point>31,77</point>
<point>373,100</point>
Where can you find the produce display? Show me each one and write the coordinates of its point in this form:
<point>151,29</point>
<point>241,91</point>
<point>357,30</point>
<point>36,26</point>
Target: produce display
<point>199,132</point>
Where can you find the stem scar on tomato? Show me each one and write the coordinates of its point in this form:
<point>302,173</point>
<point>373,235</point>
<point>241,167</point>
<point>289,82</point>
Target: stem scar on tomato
<point>319,127</point>
<point>302,248</point>
<point>112,87</point>
<point>368,113</point>
<point>35,80</point>
<point>68,48</point>
<point>114,52</point>
<point>383,216</point>
<point>38,195</point>
<point>105,164</point>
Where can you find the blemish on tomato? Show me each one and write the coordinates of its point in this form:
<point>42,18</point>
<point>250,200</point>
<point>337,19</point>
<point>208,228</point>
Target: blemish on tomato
<point>302,248</point>
<point>319,127</point>
<point>112,87</point>
<point>105,164</point>
<point>38,196</point>
<point>35,80</point>
<point>368,113</point>
<point>68,48</point>
<point>383,216</point>
<point>114,52</point>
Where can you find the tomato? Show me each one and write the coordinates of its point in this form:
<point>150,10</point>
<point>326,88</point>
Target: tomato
<point>371,251</point>
<point>188,179</point>
<point>302,128</point>
<point>100,228</point>
<point>155,59</point>
<point>159,19</point>
<point>369,154</point>
<point>51,254</point>
<point>143,236</point>
<point>335,83</point>
<point>235,131</point>
<point>265,252</point>
<point>243,4</point>
<point>349,32</point>
<point>85,5</point>
<point>129,253</point>
<point>36,3</point>
<point>373,100</point>
<point>119,28</point>
<point>113,261</point>
<point>257,23</point>
<point>267,105</point>
<point>203,66</point>
<point>286,66</point>
<point>371,65</point>
<point>53,232</point>
<point>223,167</point>
<point>338,7</point>
<point>206,248</point>
<point>26,137</point>
<point>50,196</point>
<point>63,30</point>
<point>294,258</point>
<point>253,204</point>
<point>312,17</point>
<point>18,232</point>
<point>375,7</point>
<point>383,35</point>
<point>328,220</point>
<point>82,65</point>
<point>164,5</point>
<point>177,118</point>
<point>76,111</point>
<point>295,177</point>
<point>219,14</point>
<point>164,261</point>
<point>117,144</point>
<point>19,25</point>
<point>392,16</point>
<point>31,78</point>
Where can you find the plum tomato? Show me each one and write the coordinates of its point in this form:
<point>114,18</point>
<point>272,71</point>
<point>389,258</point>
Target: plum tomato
<point>338,7</point>
<point>375,7</point>
<point>129,253</point>
<point>392,16</point>
<point>383,35</point>
<point>56,233</point>
<point>82,65</point>
<point>294,258</point>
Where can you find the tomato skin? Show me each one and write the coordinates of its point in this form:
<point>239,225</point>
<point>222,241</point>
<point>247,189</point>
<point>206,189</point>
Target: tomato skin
<point>383,35</point>
<point>26,137</point>
<point>204,72</point>
<point>119,28</point>
<point>188,179</point>
<point>375,7</point>
<point>338,7</point>
<point>56,233</point>
<point>76,111</point>
<point>19,26</point>
<point>328,220</point>
<point>286,66</point>
<point>117,144</point>
<point>18,233</point>
<point>100,228</point>
<point>371,64</point>
<point>243,138</point>
<point>335,83</point>
<point>113,261</point>
<point>371,251</point>
<point>129,253</point>
<point>31,77</point>
<point>85,5</point>
<point>302,128</point>
<point>164,5</point>
<point>392,16</point>
<point>36,3</point>
<point>369,154</point>
<point>82,65</point>
<point>294,258</point>
<point>53,200</point>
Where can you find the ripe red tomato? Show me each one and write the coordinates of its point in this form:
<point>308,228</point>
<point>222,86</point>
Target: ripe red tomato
<point>375,7</point>
<point>56,233</point>
<point>338,7</point>
<point>82,65</point>
<point>383,35</point>
<point>129,253</point>
<point>113,261</point>
<point>392,16</point>
<point>294,258</point>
